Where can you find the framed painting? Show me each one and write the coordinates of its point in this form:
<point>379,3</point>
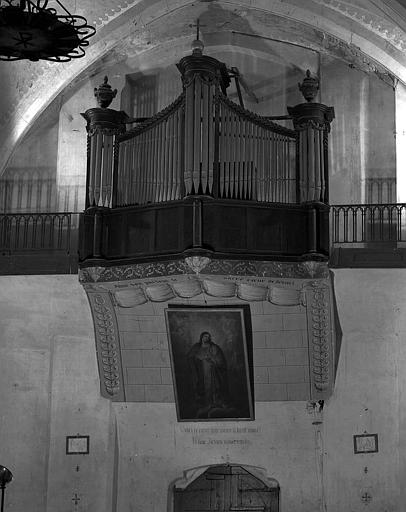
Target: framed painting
<point>366,443</point>
<point>77,445</point>
<point>211,358</point>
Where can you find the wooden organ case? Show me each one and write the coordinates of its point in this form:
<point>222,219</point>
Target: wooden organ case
<point>206,176</point>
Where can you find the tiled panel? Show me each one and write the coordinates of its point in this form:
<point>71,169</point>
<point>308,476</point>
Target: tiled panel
<point>267,323</point>
<point>285,374</point>
<point>297,356</point>
<point>135,393</point>
<point>161,393</point>
<point>294,321</point>
<point>140,340</point>
<point>298,391</point>
<point>261,375</point>
<point>284,339</point>
<point>269,357</point>
<point>143,376</point>
<point>280,354</point>
<point>259,340</point>
<point>269,392</point>
<point>166,376</point>
<point>132,357</point>
<point>155,358</point>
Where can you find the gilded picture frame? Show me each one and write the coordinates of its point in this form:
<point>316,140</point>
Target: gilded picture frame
<point>211,359</point>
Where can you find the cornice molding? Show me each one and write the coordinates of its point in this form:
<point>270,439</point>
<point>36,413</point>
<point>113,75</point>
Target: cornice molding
<point>376,24</point>
<point>300,270</point>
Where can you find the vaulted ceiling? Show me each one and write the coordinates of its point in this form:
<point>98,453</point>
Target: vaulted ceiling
<point>368,34</point>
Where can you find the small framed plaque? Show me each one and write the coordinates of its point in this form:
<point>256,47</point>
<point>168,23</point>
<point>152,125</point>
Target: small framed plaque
<point>366,443</point>
<point>77,445</point>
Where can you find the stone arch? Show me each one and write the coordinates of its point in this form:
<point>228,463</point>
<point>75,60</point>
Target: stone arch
<point>353,29</point>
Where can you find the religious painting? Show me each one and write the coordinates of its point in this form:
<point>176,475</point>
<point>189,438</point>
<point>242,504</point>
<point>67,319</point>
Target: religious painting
<point>366,443</point>
<point>211,357</point>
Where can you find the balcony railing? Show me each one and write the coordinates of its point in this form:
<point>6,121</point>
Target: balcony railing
<point>365,224</point>
<point>48,242</point>
<point>37,231</point>
<point>38,243</point>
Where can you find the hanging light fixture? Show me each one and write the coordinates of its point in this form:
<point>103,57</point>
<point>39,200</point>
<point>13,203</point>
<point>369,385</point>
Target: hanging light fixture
<point>5,478</point>
<point>32,31</point>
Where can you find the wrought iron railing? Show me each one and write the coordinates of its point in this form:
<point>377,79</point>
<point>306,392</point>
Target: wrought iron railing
<point>31,232</point>
<point>368,224</point>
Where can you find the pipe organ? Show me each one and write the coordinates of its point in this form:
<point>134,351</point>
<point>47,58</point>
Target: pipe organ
<point>202,156</point>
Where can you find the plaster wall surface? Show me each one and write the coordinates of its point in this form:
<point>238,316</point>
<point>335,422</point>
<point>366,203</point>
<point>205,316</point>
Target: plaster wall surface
<point>369,392</point>
<point>315,465</point>
<point>50,389</point>
<point>49,382</point>
<point>362,139</point>
<point>155,450</point>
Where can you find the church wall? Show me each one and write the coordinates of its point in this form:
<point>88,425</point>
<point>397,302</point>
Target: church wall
<point>369,393</point>
<point>312,462</point>
<point>362,144</point>
<point>51,390</point>
<point>155,450</point>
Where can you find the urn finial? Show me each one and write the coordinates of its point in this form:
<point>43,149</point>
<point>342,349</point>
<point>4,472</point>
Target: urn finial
<point>309,87</point>
<point>104,94</point>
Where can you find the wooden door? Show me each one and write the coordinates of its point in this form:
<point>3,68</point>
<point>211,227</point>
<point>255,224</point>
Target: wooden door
<point>227,489</point>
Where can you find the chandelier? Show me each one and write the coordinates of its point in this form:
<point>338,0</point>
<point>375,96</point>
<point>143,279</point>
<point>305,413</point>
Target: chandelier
<point>30,30</point>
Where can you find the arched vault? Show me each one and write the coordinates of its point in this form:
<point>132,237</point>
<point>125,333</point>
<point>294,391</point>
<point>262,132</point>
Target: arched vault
<point>368,34</point>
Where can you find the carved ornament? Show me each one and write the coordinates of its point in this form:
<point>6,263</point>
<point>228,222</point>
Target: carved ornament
<point>378,24</point>
<point>107,345</point>
<point>321,349</point>
<point>104,94</point>
<point>300,270</point>
<point>197,263</point>
<point>309,87</point>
